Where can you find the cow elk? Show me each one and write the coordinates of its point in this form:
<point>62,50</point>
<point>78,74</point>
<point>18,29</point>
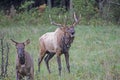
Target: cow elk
<point>57,42</point>
<point>24,62</point>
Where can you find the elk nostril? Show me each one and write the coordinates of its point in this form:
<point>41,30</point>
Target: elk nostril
<point>73,33</point>
<point>68,46</point>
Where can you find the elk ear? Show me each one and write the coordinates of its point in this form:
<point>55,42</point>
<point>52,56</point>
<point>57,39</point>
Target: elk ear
<point>27,42</point>
<point>14,42</point>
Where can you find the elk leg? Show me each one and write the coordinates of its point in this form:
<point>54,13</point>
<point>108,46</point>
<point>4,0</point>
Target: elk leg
<point>59,64</point>
<point>67,61</point>
<point>39,61</point>
<point>47,58</point>
<point>18,76</point>
<point>28,77</point>
<point>31,75</point>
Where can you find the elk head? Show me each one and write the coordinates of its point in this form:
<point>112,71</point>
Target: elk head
<point>20,50</point>
<point>65,28</point>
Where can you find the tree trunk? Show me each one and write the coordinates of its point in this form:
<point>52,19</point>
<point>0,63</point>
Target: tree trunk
<point>62,3</point>
<point>49,3</point>
<point>71,9</point>
<point>100,5</point>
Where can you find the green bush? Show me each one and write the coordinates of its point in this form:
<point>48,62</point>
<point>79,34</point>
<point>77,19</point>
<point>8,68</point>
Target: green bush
<point>34,17</point>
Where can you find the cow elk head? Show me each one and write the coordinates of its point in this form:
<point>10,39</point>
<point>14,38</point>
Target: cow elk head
<point>20,49</point>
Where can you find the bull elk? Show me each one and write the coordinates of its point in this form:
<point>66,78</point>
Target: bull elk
<point>24,62</point>
<point>57,42</point>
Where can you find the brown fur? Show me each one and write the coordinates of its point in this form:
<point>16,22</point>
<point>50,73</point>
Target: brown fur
<point>26,69</point>
<point>57,42</point>
<point>50,43</point>
<point>53,46</point>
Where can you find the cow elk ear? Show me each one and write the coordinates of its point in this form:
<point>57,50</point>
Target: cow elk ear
<point>14,42</point>
<point>27,42</point>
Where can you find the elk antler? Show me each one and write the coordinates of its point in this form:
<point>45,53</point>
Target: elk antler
<point>76,19</point>
<point>54,23</point>
<point>65,20</point>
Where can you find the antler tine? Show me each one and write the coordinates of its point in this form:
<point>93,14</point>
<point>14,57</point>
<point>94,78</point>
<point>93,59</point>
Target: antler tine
<point>65,20</point>
<point>80,15</point>
<point>59,16</point>
<point>54,23</point>
<point>76,19</point>
<point>50,18</point>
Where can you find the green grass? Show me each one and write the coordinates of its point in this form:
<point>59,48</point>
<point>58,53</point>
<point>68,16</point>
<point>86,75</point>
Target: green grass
<point>94,54</point>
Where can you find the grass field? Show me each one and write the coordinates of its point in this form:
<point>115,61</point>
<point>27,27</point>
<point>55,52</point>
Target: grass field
<point>94,54</point>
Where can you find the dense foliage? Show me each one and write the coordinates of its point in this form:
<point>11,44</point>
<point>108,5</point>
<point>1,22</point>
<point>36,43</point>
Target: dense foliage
<point>92,11</point>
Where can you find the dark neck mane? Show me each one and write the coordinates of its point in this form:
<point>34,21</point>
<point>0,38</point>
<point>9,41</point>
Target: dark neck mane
<point>65,47</point>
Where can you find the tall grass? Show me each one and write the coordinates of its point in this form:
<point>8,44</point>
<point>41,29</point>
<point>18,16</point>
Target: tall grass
<point>94,54</point>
